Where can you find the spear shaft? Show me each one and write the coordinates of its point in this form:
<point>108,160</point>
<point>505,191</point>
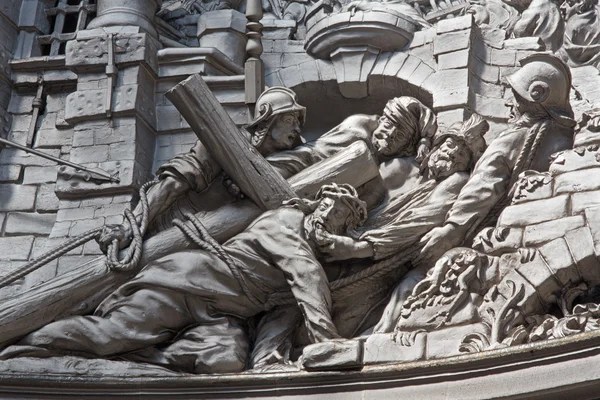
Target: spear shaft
<point>95,173</point>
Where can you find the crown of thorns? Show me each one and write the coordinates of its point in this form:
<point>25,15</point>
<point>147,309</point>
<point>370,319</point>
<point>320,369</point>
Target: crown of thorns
<point>349,197</point>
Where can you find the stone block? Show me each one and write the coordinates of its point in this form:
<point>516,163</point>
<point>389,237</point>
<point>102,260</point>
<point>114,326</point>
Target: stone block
<point>11,10</point>
<point>592,216</point>
<point>445,119</point>
<point>294,59</point>
<point>534,212</point>
<point>21,104</point>
<point>525,43</point>
<point>454,98</point>
<point>581,201</point>
<point>454,24</point>
<point>90,154</point>
<point>417,40</point>
<point>326,70</point>
<point>288,46</point>
<point>10,173</point>
<point>20,223</point>
<point>309,70</point>
<point>21,122</point>
<point>408,68</point>
<point>450,42</point>
<point>334,354</point>
<point>446,342</point>
<point>558,258</point>
<point>452,79</point>
<point>110,210</point>
<point>381,62</point>
<point>17,197</point>
<point>60,229</point>
<point>506,72</point>
<point>576,181</point>
<point>581,247</point>
<point>488,90</point>
<point>53,137</point>
<point>457,59</point>
<point>16,247</point>
<point>34,175</point>
<point>46,200</point>
<point>85,104</point>
<point>488,73</point>
<point>546,231</point>
<point>573,160</point>
<point>73,214</point>
<point>290,76</point>
<point>379,348</point>
<point>81,226</point>
<point>489,107</point>
<point>396,61</point>
<point>425,54</point>
<point>504,58</point>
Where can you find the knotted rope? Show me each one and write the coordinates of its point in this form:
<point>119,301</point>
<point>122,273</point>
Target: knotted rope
<point>128,263</point>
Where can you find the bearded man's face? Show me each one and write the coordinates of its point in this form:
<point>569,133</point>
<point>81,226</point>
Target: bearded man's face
<point>451,156</point>
<point>331,216</point>
<point>387,139</point>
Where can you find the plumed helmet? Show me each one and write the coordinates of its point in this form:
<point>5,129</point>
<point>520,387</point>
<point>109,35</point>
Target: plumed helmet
<point>543,79</point>
<point>277,100</point>
<point>470,132</point>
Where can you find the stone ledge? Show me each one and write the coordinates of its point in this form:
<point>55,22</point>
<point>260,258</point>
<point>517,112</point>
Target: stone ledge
<point>523,375</point>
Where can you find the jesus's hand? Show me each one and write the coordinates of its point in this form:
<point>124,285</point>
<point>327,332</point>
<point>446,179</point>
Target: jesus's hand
<point>337,248</point>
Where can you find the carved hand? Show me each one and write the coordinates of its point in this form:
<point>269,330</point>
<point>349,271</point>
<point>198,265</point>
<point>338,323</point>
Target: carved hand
<point>438,241</point>
<point>111,232</point>
<point>337,248</point>
<point>233,188</point>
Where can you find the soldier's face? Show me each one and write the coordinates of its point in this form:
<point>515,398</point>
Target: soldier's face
<point>387,140</point>
<point>452,156</point>
<point>332,215</point>
<point>285,131</point>
<point>517,106</point>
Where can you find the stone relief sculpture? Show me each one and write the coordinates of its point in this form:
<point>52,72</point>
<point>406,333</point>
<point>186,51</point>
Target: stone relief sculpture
<point>370,187</point>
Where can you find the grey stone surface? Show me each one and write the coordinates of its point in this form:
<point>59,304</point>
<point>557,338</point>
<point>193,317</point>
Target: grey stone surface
<point>20,223</point>
<point>536,258</point>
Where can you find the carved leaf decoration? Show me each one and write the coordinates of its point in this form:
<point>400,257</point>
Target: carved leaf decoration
<point>579,151</point>
<point>501,233</point>
<point>557,158</point>
<point>517,335</point>
<point>568,297</point>
<point>474,343</point>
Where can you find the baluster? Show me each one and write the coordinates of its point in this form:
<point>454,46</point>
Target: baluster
<point>254,67</point>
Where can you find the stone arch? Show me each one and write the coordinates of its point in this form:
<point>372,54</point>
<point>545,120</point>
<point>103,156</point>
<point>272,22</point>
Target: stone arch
<point>323,86</point>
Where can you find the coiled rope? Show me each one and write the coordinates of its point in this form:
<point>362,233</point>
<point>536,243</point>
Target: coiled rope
<point>128,263</point>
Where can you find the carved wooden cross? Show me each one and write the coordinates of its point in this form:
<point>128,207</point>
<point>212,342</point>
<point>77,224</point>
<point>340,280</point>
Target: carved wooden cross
<point>226,143</point>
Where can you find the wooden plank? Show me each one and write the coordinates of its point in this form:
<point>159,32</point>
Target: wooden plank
<point>80,291</point>
<point>355,164</point>
<point>226,143</point>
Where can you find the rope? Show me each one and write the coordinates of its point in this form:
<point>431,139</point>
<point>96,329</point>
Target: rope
<point>128,263</point>
<point>376,270</point>
<point>535,136</point>
<point>200,236</point>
